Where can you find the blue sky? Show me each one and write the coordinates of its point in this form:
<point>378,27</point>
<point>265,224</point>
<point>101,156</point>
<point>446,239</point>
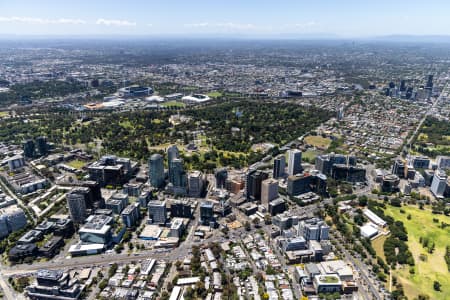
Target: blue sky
<point>344,18</point>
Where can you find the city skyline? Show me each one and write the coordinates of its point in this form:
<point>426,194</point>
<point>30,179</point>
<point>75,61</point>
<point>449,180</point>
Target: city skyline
<point>261,19</point>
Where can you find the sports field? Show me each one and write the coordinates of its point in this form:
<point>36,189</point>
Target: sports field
<point>215,94</point>
<point>318,141</point>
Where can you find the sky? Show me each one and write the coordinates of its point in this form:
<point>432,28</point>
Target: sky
<point>239,18</point>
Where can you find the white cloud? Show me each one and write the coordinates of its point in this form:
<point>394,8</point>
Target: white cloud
<point>306,25</point>
<point>226,25</point>
<point>231,26</point>
<point>112,22</point>
<point>29,20</point>
<point>195,25</point>
<point>238,26</point>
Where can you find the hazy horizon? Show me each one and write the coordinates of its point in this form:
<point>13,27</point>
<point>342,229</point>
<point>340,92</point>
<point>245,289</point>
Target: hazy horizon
<point>349,19</point>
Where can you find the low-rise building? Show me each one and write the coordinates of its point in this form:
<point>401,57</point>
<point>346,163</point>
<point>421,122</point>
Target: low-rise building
<point>21,251</point>
<point>55,285</point>
<point>12,218</point>
<point>32,236</point>
<point>374,218</point>
<point>51,247</point>
<point>96,230</point>
<point>117,202</point>
<point>369,230</point>
<point>327,283</point>
<point>277,206</point>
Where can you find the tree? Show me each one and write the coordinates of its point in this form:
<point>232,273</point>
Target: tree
<point>165,295</point>
<point>362,201</point>
<point>102,284</point>
<point>178,264</point>
<point>21,283</point>
<point>200,289</point>
<point>267,219</point>
<point>112,270</point>
<point>225,230</point>
<point>396,202</point>
<point>247,226</point>
<point>189,293</point>
<point>256,222</point>
<point>126,237</point>
<point>169,286</point>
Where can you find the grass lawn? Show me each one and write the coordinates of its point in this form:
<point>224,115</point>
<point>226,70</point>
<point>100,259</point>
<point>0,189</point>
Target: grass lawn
<point>160,147</point>
<point>214,94</point>
<point>434,268</point>
<point>442,147</point>
<point>378,243</point>
<point>231,153</point>
<point>318,141</point>
<point>329,279</point>
<point>126,124</point>
<point>310,155</point>
<point>422,137</point>
<point>77,164</point>
<point>173,104</point>
<point>3,114</point>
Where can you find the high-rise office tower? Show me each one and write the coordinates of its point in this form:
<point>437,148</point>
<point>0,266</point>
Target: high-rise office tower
<point>172,153</point>
<point>340,113</point>
<point>279,165</point>
<point>42,146</point>
<point>402,86</point>
<point>157,211</point>
<point>294,162</point>
<point>429,82</point>
<point>156,170</point>
<point>254,181</point>
<point>221,178</point>
<point>177,176</point>
<point>439,183</point>
<point>77,206</point>
<point>29,150</point>
<point>207,213</point>
<point>269,191</point>
<point>195,184</point>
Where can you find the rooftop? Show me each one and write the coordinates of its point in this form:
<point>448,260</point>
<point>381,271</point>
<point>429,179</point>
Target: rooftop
<point>49,274</point>
<point>328,279</point>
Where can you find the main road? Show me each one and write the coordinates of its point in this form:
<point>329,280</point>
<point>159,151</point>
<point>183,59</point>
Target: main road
<point>427,113</point>
<point>97,260</point>
<point>8,191</point>
<point>360,267</point>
